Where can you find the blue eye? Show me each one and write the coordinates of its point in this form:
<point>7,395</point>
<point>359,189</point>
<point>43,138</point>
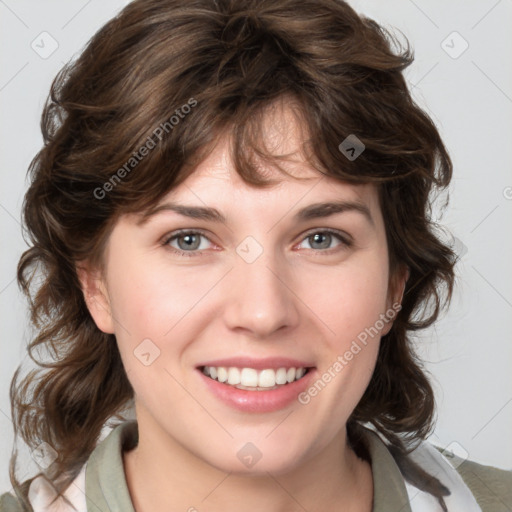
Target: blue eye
<point>323,239</point>
<point>189,242</point>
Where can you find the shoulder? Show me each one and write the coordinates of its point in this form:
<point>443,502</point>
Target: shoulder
<point>491,486</point>
<point>41,496</point>
<point>10,503</point>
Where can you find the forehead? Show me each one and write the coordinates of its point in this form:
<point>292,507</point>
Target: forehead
<point>215,182</point>
<point>216,179</point>
<point>218,171</point>
<point>218,193</point>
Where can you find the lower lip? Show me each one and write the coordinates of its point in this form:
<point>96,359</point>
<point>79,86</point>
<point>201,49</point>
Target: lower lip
<point>258,401</point>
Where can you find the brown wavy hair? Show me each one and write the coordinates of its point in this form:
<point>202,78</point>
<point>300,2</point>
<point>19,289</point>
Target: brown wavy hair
<point>227,61</point>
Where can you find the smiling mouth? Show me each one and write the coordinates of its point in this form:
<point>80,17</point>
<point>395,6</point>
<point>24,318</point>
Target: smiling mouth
<point>251,379</point>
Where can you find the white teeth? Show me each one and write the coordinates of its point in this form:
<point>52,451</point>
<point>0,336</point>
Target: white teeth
<point>233,376</point>
<point>267,379</point>
<point>281,376</point>
<point>222,374</point>
<point>251,378</point>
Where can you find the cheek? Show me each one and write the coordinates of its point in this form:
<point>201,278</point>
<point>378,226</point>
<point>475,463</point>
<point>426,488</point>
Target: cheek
<point>351,303</point>
<point>350,299</point>
<point>151,305</point>
<point>151,299</point>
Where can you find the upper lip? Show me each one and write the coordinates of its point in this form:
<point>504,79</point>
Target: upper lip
<point>258,364</point>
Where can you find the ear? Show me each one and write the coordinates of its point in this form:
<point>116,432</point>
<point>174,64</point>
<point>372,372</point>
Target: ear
<point>396,290</point>
<point>96,297</point>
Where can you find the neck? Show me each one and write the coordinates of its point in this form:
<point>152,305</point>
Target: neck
<point>163,475</point>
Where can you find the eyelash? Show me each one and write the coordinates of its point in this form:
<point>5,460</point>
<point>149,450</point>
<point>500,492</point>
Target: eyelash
<point>165,242</point>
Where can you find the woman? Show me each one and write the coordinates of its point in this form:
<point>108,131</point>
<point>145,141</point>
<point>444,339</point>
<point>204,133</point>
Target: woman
<point>231,215</point>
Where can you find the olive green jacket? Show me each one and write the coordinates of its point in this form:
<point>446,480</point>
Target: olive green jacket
<point>106,489</point>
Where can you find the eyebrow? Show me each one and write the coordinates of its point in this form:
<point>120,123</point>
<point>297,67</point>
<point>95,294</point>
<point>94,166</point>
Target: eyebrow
<point>313,211</point>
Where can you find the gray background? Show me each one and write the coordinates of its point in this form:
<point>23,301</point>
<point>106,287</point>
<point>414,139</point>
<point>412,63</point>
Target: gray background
<point>469,96</point>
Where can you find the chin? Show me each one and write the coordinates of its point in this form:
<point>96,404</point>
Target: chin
<point>255,459</point>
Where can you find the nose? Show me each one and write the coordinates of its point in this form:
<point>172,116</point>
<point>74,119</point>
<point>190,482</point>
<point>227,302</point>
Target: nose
<point>260,298</point>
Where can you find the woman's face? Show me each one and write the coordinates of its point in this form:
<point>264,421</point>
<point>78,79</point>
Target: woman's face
<point>262,281</point>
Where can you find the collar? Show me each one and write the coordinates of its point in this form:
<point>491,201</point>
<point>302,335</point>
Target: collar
<point>106,488</point>
<point>101,485</point>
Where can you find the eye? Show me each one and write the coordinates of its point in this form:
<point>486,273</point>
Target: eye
<point>321,240</point>
<point>188,243</point>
